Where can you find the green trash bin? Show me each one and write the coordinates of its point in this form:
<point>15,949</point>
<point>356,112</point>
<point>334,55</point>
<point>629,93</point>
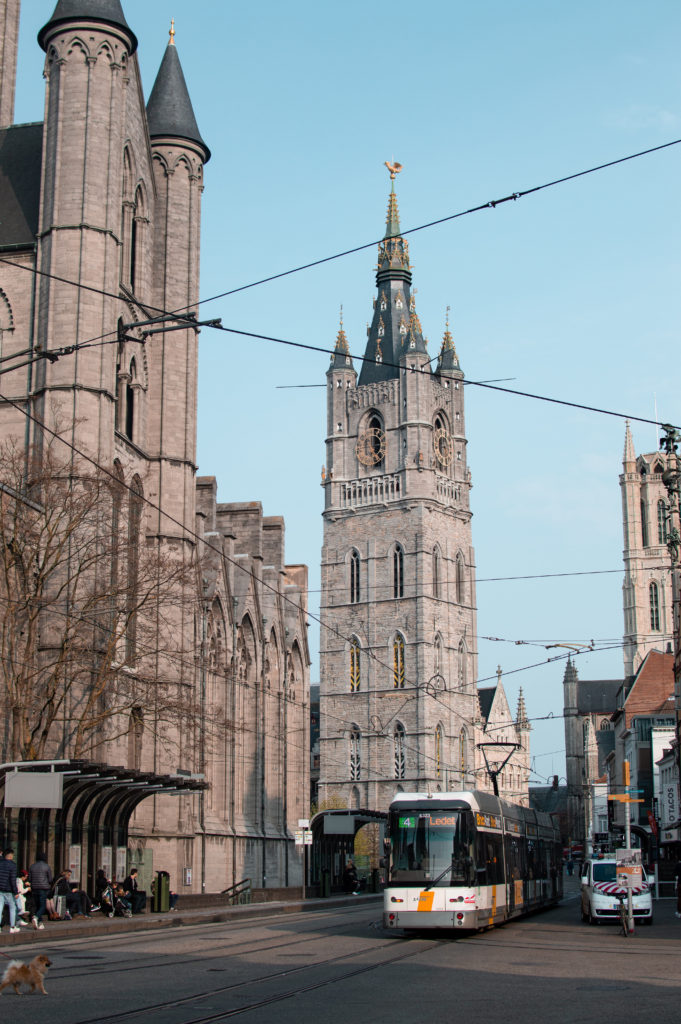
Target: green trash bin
<point>161,901</point>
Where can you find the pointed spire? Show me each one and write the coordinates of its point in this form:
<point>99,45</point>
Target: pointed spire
<point>448,360</point>
<point>169,111</point>
<point>341,358</point>
<point>629,453</point>
<point>522,721</point>
<point>570,675</point>
<point>108,12</point>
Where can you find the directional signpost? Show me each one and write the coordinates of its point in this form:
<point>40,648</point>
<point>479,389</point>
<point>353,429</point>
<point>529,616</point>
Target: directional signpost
<point>303,837</point>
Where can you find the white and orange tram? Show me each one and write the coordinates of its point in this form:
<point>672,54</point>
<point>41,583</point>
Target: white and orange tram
<point>468,860</point>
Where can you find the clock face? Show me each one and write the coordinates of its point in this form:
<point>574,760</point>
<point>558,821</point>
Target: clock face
<point>370,447</point>
<point>443,447</point>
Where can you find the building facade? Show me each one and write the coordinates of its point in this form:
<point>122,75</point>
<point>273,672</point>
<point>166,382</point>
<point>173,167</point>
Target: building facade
<point>399,703</point>
<point>100,210</point>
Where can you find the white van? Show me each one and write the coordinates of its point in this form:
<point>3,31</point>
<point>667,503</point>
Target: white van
<point>599,889</point>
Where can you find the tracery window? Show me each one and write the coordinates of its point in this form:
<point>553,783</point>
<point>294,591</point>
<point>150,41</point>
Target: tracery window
<point>355,667</point>
<point>463,754</point>
<point>654,607</point>
<point>354,577</point>
<point>398,662</point>
<point>438,752</point>
<point>399,750</point>
<point>355,753</point>
<point>398,571</point>
<point>436,572</point>
<point>661,521</point>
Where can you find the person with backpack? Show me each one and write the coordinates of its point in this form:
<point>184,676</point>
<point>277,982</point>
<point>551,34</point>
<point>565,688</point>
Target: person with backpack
<point>41,880</point>
<point>8,887</point>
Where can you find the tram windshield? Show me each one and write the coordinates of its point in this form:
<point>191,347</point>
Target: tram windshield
<point>431,846</point>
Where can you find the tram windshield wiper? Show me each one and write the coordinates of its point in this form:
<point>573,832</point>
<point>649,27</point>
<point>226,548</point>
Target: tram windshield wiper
<point>450,867</point>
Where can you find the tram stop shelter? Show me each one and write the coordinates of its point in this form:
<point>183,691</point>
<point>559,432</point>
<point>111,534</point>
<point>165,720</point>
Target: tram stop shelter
<point>333,840</point>
<point>77,811</point>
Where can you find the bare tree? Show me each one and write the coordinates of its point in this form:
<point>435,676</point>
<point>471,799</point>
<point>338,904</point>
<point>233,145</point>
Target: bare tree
<point>90,613</point>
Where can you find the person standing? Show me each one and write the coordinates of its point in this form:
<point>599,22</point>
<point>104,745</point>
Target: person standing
<point>350,879</point>
<point>8,887</point>
<point>40,879</point>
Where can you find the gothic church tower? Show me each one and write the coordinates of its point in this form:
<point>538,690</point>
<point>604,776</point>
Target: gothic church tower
<point>398,648</point>
<point>646,589</point>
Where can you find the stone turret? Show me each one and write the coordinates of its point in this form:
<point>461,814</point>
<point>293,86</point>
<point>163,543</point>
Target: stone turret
<point>9,36</point>
<point>179,154</point>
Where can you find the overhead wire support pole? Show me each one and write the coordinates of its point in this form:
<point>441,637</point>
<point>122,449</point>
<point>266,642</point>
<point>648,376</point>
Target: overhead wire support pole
<point>671,477</point>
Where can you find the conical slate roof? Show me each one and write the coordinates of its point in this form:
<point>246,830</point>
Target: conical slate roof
<point>395,327</point>
<point>169,110</point>
<point>109,12</point>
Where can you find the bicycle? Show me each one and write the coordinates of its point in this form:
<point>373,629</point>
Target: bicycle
<point>623,914</point>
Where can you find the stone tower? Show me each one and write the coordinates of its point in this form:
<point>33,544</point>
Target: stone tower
<point>398,646</point>
<point>646,589</point>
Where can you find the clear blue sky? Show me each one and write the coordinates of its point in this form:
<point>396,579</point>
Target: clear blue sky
<point>574,292</point>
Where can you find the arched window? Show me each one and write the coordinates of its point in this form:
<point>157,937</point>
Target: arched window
<point>437,575</point>
<point>460,579</point>
<point>398,571</point>
<point>355,668</point>
<point>355,753</point>
<point>463,674</point>
<point>644,523</point>
<point>354,577</point>
<point>654,607</point>
<point>661,521</point>
<point>438,752</point>
<point>399,750</point>
<point>136,234</point>
<point>130,401</point>
<point>437,656</point>
<point>463,755</point>
<point>398,662</point>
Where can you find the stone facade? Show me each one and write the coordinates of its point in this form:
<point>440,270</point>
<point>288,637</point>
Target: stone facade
<point>399,703</point>
<point>104,201</point>
<point>647,588</point>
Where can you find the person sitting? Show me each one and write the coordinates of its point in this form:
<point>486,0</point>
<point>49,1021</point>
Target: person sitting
<point>103,891</point>
<point>122,905</point>
<point>136,896</point>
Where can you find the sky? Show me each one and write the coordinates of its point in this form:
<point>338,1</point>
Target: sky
<point>572,292</point>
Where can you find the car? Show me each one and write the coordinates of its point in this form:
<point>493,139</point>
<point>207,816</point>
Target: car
<point>599,893</point>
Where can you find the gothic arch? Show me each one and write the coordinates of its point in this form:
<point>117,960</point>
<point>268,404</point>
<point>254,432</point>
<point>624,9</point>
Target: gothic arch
<point>354,580</point>
<point>460,570</point>
<point>400,751</point>
<point>436,570</point>
<point>397,654</point>
<point>355,664</point>
<point>355,752</point>
<point>396,557</point>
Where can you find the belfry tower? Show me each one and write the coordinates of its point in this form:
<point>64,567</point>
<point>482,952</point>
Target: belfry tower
<point>398,697</point>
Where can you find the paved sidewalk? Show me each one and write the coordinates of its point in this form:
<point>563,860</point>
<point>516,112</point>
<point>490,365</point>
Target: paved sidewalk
<point>98,924</point>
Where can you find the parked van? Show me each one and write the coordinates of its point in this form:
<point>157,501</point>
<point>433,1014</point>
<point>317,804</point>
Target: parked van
<point>600,889</point>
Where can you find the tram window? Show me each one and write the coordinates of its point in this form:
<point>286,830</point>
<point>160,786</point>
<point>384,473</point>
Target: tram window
<point>425,846</point>
<point>489,861</point>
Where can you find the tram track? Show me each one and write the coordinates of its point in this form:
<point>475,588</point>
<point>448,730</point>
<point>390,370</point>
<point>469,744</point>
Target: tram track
<point>138,962</point>
<point>139,1012</point>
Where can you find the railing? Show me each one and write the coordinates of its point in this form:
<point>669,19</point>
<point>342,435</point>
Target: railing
<point>448,490</point>
<point>238,893</point>
<point>373,490</point>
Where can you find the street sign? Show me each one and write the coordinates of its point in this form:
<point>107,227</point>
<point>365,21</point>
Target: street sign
<point>303,822</point>
<point>299,838</point>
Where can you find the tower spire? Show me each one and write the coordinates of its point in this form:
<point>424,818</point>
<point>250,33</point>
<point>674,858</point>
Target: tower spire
<point>341,358</point>
<point>448,360</point>
<point>395,328</point>
<point>629,453</point>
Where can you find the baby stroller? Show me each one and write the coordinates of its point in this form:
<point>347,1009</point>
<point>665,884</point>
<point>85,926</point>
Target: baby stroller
<point>113,905</point>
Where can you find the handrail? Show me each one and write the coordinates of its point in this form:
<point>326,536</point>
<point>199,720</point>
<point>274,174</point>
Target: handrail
<point>238,889</point>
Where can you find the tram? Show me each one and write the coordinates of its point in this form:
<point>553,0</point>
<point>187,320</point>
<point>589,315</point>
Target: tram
<point>468,860</point>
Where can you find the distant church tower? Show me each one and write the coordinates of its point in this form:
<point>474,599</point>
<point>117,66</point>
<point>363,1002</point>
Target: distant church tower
<point>646,590</point>
<point>398,666</point>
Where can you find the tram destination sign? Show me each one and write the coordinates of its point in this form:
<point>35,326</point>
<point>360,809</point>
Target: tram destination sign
<point>431,820</point>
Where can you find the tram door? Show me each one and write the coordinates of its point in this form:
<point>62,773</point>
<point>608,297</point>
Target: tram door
<point>514,874</point>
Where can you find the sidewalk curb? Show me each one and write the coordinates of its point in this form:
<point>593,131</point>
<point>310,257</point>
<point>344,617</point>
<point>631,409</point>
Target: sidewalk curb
<point>58,931</point>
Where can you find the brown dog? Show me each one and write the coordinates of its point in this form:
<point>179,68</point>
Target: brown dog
<point>32,974</point>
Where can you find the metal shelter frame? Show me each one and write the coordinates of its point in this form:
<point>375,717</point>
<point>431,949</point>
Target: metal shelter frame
<point>98,802</point>
<point>333,840</point>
